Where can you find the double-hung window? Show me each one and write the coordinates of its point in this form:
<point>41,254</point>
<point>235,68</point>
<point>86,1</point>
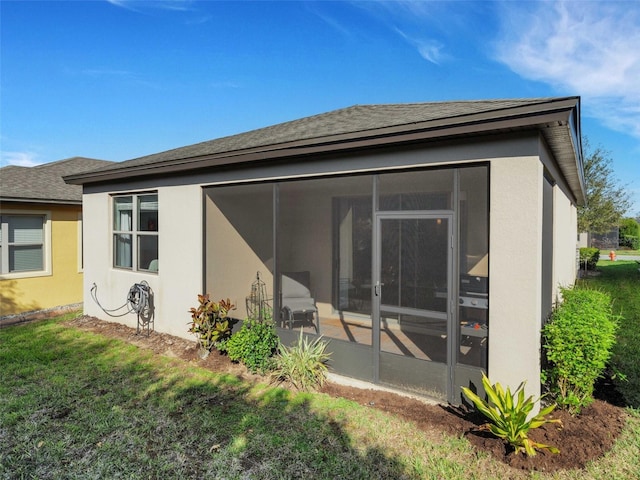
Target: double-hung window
<point>22,244</point>
<point>135,232</point>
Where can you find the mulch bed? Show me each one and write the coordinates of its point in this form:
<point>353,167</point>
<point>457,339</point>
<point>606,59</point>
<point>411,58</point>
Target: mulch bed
<point>583,438</point>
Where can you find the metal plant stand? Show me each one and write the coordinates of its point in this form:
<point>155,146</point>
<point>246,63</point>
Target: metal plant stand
<point>258,303</point>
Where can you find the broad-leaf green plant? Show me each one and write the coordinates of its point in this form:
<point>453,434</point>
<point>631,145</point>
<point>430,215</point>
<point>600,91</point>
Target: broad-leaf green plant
<point>509,416</point>
<point>254,345</point>
<point>304,364</point>
<point>210,322</point>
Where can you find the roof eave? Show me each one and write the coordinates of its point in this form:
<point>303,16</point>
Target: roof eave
<point>40,200</point>
<point>557,114</point>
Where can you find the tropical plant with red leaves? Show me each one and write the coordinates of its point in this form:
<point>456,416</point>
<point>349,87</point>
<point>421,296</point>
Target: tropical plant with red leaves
<point>210,322</point>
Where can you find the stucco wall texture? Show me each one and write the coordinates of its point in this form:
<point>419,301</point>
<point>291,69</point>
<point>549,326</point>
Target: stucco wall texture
<point>61,283</point>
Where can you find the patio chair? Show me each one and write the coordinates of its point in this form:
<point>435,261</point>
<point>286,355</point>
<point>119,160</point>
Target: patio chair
<point>297,299</point>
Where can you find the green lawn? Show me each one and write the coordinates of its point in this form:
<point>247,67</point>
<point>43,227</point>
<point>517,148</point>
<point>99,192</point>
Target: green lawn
<point>627,252</point>
<point>78,405</point>
<point>622,280</point>
<point>604,254</point>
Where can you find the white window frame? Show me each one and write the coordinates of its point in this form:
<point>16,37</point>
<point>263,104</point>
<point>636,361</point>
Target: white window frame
<point>46,246</point>
<point>134,232</point>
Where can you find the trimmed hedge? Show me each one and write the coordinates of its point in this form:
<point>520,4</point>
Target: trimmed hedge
<point>590,256</point>
<point>629,233</point>
<point>578,342</point>
<point>630,241</point>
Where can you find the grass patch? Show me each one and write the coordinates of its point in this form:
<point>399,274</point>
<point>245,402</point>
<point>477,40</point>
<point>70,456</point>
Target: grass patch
<point>627,252</point>
<point>621,279</point>
<point>78,405</point>
<point>620,252</point>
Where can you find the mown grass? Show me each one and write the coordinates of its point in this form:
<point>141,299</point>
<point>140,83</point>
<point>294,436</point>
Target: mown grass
<point>78,405</point>
<point>619,253</point>
<point>621,279</point>
<point>627,252</point>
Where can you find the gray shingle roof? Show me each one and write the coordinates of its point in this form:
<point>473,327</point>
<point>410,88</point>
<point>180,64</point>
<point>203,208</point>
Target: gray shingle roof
<point>351,120</point>
<point>44,183</point>
<point>371,126</point>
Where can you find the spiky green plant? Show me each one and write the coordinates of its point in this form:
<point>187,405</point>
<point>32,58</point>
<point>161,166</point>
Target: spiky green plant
<point>509,416</point>
<point>304,364</point>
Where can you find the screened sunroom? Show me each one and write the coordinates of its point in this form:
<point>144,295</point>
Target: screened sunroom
<point>370,226</point>
<point>393,266</point>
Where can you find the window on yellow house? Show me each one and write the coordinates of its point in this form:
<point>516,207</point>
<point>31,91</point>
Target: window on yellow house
<point>23,243</point>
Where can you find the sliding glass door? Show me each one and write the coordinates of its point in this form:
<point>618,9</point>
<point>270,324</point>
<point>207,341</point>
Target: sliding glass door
<point>395,266</point>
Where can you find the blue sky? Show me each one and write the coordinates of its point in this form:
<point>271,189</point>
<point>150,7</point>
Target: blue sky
<point>120,79</point>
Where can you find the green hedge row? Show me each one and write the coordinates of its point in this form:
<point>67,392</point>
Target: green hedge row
<point>630,241</point>
<point>589,257</point>
<point>578,342</point>
<point>629,233</point>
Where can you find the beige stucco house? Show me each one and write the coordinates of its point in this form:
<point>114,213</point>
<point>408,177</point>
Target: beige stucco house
<point>425,242</point>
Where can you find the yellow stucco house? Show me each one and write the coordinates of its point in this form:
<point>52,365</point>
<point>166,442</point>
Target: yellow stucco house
<point>41,236</point>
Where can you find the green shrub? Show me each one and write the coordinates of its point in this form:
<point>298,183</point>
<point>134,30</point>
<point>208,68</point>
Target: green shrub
<point>630,241</point>
<point>590,257</point>
<point>629,226</point>
<point>253,345</point>
<point>578,341</point>
<point>508,415</point>
<point>303,364</point>
<point>210,322</point>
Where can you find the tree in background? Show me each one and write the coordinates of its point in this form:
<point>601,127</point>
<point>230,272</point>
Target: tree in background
<point>607,200</point>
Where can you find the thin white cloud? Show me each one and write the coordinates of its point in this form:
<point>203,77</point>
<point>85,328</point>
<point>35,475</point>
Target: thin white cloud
<point>429,49</point>
<point>224,84</point>
<point>116,75</point>
<point>317,10</point>
<point>99,72</point>
<point>122,4</point>
<point>138,5</point>
<point>420,21</point>
<point>199,20</point>
<point>189,11</point>
<point>20,159</point>
<point>585,48</point>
